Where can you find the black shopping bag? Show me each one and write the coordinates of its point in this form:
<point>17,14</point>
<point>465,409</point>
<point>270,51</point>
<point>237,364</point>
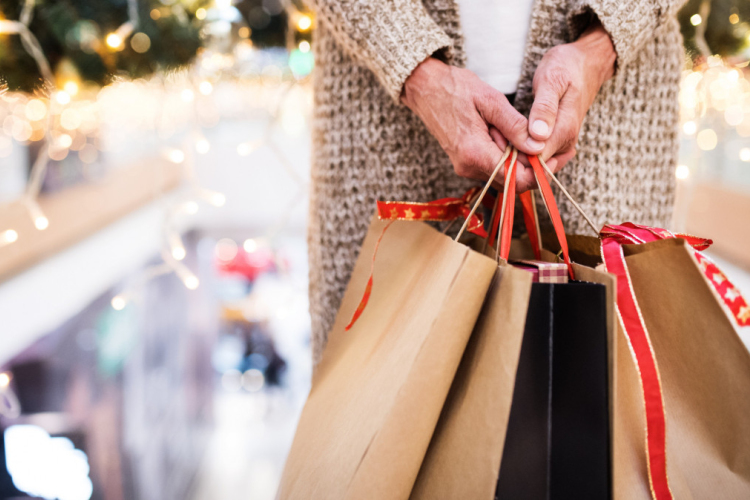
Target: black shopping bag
<point>557,444</point>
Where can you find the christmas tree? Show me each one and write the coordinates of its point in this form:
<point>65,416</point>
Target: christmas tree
<point>96,40</point>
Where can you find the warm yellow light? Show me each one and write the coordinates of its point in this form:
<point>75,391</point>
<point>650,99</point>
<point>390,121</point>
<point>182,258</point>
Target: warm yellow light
<point>707,139</point>
<point>35,110</point>
<point>178,252</point>
<point>191,282</point>
<point>62,97</point>
<point>200,14</point>
<point>696,19</point>
<point>202,146</point>
<point>245,148</point>
<point>4,380</point>
<point>250,245</point>
<point>682,172</point>
<point>71,87</point>
<point>304,23</point>
<point>745,154</point>
<point>70,119</point>
<point>9,236</point>
<point>206,88</point>
<point>734,115</point>
<point>734,18</point>
<point>187,95</point>
<point>218,199</point>
<point>223,4</point>
<point>689,128</point>
<point>140,43</point>
<point>176,156</point>
<point>64,141</point>
<point>118,302</point>
<point>114,40</point>
<point>244,32</point>
<point>41,223</point>
<point>155,14</point>
<point>190,208</point>
<point>304,46</point>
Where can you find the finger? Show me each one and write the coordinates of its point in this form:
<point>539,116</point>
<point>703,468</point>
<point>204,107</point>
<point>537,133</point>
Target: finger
<point>497,111</point>
<point>501,142</point>
<point>549,88</point>
<point>557,162</point>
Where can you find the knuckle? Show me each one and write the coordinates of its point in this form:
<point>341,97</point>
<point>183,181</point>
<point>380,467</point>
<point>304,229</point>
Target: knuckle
<point>558,78</point>
<point>545,106</point>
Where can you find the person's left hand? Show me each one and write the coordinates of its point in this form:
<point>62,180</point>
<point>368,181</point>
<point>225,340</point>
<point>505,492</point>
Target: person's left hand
<point>565,85</point>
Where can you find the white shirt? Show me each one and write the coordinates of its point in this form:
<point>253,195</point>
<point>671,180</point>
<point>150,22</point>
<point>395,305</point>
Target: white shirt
<point>495,39</point>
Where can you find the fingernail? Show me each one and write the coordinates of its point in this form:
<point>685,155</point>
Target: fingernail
<point>534,145</point>
<point>540,127</point>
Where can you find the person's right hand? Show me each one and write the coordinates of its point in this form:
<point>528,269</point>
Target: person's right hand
<point>472,121</point>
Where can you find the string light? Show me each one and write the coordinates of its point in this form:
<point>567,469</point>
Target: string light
<point>200,14</point>
<point>71,87</point>
<point>745,154</point>
<point>304,46</point>
<point>187,95</point>
<point>176,156</point>
<point>682,172</point>
<point>707,139</point>
<point>114,41</point>
<point>304,23</point>
<point>206,88</point>
<point>734,18</point>
<point>202,146</point>
<point>696,19</point>
<point>7,237</point>
<point>62,97</point>
<point>119,302</point>
<point>689,127</point>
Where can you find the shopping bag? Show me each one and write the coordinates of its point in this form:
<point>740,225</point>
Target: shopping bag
<point>379,389</point>
<point>681,384</point>
<point>554,438</point>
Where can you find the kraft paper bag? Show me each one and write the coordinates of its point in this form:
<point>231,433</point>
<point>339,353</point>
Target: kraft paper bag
<point>379,389</point>
<point>463,459</point>
<point>705,372</point>
<point>704,369</point>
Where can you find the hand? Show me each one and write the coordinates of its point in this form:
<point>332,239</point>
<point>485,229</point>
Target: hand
<point>565,85</point>
<point>460,110</point>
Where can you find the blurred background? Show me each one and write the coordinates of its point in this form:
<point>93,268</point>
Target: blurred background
<point>154,170</point>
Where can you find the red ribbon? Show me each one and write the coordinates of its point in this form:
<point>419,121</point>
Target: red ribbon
<point>612,238</point>
<point>445,209</point>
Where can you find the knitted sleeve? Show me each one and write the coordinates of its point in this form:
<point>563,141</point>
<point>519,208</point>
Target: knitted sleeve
<point>390,37</point>
<point>630,23</point>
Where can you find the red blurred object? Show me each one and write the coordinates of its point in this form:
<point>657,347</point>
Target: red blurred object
<point>249,264</point>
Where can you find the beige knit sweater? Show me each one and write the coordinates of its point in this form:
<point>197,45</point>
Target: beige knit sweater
<point>367,146</point>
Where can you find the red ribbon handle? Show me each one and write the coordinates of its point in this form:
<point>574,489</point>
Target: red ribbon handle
<point>554,213</point>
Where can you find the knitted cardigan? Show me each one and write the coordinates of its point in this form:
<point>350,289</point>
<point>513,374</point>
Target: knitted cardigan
<point>367,146</point>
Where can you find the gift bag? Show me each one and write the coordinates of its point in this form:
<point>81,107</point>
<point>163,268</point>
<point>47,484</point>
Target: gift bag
<point>379,389</point>
<point>546,414</point>
<point>681,384</point>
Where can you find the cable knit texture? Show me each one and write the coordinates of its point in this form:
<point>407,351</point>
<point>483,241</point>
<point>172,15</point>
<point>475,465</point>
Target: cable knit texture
<point>366,146</point>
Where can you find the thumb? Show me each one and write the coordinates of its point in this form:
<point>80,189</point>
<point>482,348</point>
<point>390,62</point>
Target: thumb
<point>543,114</point>
<point>497,111</point>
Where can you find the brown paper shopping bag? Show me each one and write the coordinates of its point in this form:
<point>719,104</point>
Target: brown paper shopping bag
<point>704,371</point>
<point>466,453</point>
<point>681,375</point>
<point>378,391</point>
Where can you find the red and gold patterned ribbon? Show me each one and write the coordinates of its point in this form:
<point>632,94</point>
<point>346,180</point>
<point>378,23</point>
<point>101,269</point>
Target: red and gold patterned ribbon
<point>445,209</point>
<point>612,238</point>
